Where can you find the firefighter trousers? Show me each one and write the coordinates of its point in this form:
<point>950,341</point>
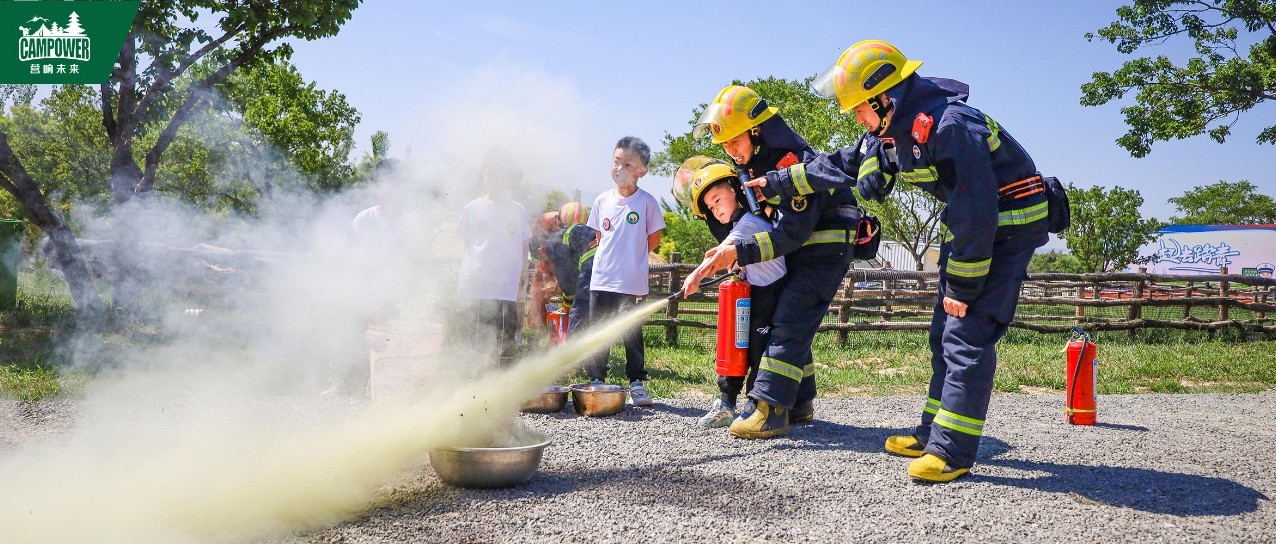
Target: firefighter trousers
<point>786,376</point>
<point>964,358</point>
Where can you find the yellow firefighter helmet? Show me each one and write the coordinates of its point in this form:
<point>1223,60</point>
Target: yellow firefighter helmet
<point>736,109</point>
<point>864,70</point>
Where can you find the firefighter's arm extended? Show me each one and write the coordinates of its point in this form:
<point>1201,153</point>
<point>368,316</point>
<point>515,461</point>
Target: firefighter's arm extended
<point>841,168</point>
<point>972,209</point>
<point>794,229</point>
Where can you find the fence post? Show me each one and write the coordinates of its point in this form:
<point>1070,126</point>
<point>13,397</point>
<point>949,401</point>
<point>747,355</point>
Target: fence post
<point>671,311</point>
<point>1136,308</point>
<point>844,311</point>
<point>1080,295</point>
<point>1224,292</point>
<point>1187,298</point>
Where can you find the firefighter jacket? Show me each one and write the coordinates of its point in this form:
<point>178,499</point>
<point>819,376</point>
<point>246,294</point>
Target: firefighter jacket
<point>570,252</point>
<point>960,156</point>
<point>816,226</point>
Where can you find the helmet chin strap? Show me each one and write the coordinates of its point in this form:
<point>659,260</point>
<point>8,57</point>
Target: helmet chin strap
<point>883,113</point>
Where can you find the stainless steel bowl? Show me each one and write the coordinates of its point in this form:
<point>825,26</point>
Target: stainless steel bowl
<point>554,399</point>
<point>489,467</point>
<point>598,400</point>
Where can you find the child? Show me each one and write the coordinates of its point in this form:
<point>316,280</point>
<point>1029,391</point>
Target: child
<point>628,222</point>
<point>495,230</point>
<point>716,196</point>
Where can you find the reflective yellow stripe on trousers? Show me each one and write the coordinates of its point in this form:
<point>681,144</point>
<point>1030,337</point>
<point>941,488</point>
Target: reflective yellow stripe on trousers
<point>959,423</point>
<point>782,368</point>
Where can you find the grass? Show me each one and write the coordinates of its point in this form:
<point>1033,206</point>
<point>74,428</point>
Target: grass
<point>898,363</point>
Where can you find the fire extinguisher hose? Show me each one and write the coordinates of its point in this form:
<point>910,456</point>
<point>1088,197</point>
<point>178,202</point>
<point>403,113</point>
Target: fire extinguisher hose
<point>703,284</point>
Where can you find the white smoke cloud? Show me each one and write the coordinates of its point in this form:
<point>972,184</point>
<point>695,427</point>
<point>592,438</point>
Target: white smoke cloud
<point>212,427</point>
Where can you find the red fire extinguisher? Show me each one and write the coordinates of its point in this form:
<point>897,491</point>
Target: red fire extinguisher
<point>557,321</point>
<point>1082,379</point>
<point>733,328</point>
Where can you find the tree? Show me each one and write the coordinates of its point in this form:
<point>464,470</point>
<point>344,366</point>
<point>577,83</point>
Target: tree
<point>684,234</point>
<point>1107,230</point>
<point>73,26</point>
<point>164,74</point>
<point>1054,261</point>
<point>1208,91</point>
<point>1224,203</point>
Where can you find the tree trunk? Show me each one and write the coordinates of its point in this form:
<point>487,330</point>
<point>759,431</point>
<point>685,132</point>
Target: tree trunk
<point>66,252</point>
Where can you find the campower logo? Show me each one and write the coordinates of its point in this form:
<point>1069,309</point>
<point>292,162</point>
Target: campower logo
<point>45,39</point>
<point>62,42</point>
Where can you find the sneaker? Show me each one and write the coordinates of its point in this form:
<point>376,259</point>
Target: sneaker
<point>803,412</point>
<point>638,394</point>
<point>933,468</point>
<point>906,445</point>
<point>765,422</point>
<point>720,415</point>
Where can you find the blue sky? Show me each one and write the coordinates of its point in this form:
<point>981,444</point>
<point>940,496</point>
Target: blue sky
<point>617,68</point>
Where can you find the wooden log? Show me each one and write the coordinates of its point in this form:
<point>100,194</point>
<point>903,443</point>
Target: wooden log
<point>671,311</point>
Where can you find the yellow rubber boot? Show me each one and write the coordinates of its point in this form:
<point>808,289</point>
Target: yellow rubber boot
<point>766,421</point>
<point>906,445</point>
<point>932,468</point>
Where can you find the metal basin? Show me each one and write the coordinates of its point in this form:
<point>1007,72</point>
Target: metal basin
<point>554,399</point>
<point>598,400</point>
<point>489,467</point>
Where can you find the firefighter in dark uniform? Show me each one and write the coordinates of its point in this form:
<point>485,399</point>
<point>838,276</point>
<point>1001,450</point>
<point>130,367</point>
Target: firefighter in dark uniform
<point>996,216</point>
<point>572,254</point>
<point>814,233</point>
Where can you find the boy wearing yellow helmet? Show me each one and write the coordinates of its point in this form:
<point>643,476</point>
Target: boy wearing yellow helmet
<point>998,211</point>
<point>815,234</point>
<point>716,197</point>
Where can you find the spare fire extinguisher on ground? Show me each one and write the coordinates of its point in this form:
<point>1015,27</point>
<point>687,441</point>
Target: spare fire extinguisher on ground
<point>1082,400</point>
<point>733,328</point>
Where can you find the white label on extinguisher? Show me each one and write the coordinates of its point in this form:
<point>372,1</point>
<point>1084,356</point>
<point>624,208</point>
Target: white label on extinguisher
<point>742,323</point>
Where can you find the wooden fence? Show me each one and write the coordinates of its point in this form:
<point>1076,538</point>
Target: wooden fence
<point>897,300</point>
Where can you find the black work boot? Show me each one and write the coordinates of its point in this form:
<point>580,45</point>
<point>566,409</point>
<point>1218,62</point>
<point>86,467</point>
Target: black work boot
<point>802,412</point>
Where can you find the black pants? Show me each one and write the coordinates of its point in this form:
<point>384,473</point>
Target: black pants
<point>487,325</point>
<point>762,301</point>
<point>602,307</point>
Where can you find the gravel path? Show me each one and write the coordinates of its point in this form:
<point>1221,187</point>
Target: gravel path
<point>1158,468</point>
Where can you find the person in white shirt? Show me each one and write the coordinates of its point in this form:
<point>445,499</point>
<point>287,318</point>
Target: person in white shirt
<point>495,230</point>
<point>628,221</point>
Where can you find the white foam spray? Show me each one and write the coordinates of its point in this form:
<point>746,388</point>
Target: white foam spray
<point>198,486</point>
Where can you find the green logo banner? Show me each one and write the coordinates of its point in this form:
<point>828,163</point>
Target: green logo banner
<point>62,42</point>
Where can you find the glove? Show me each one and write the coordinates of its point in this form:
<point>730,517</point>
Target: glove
<point>878,183</point>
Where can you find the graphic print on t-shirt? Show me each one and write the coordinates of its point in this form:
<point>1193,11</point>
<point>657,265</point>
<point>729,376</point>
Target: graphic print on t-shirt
<point>632,218</point>
<point>606,223</point>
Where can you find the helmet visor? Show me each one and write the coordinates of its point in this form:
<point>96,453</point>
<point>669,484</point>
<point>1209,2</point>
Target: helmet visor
<point>710,122</point>
<point>827,84</point>
<point>682,186</point>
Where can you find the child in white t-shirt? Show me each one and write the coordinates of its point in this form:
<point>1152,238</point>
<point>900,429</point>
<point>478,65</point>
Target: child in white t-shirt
<point>495,229</point>
<point>628,221</point>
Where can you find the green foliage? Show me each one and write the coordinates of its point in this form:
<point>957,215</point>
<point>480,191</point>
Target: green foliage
<point>684,234</point>
<point>61,144</point>
<point>1206,93</point>
<point>554,199</point>
<point>1224,203</point>
<point>816,119</point>
<point>1107,230</point>
<point>311,129</point>
<point>1055,261</point>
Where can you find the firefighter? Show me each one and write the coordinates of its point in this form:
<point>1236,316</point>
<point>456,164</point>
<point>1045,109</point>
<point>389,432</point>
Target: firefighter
<point>995,218</point>
<point>813,233</point>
